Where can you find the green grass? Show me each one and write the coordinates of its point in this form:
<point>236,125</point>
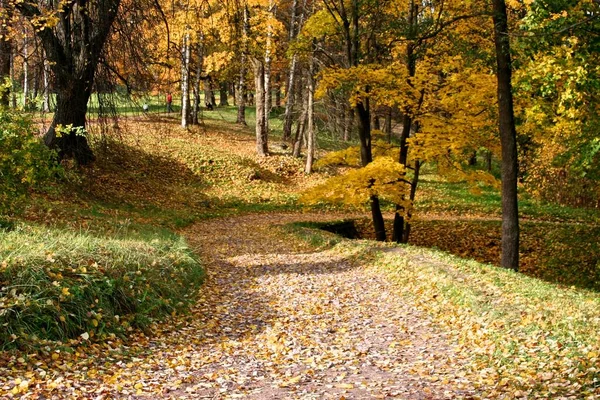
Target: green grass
<point>57,284</point>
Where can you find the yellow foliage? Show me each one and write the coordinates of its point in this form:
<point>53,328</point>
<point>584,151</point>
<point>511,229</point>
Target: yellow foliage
<point>384,177</point>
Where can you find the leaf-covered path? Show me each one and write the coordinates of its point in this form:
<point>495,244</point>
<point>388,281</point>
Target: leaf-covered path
<point>276,320</point>
<point>280,321</point>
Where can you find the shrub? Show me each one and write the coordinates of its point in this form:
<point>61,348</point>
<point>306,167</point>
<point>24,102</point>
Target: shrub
<point>25,163</point>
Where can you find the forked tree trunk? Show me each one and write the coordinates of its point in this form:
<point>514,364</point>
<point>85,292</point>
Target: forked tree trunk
<point>508,140</point>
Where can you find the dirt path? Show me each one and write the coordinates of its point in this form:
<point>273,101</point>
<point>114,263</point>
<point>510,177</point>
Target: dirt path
<point>277,320</point>
<point>285,322</point>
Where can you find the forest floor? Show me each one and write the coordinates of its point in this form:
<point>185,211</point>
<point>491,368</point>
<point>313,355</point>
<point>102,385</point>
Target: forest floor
<point>288,311</point>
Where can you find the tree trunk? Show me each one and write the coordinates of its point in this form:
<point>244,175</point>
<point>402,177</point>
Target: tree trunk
<point>71,109</point>
<point>5,53</point>
<point>185,80</point>
<point>223,95</point>
<point>387,127</point>
<point>310,126</point>
<point>508,134</point>
<point>348,123</point>
<point>277,88</point>
<point>25,73</point>
<point>364,134</point>
<point>46,93</point>
<point>241,89</point>
<point>198,78</point>
<point>291,81</point>
<point>413,192</point>
<point>262,148</point>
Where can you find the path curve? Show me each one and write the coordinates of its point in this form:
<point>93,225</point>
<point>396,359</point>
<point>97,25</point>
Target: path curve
<point>276,319</point>
<point>284,321</point>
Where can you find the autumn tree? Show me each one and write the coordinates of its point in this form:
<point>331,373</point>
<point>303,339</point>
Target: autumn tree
<point>73,35</point>
<point>508,139</point>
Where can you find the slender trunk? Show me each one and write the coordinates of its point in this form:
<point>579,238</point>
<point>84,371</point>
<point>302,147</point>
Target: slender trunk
<point>488,160</point>
<point>185,78</point>
<point>13,94</point>
<point>387,127</point>
<point>198,78</point>
<point>241,89</point>
<point>46,95</point>
<point>25,73</point>
<point>5,53</point>
<point>301,127</point>
<point>376,123</point>
<point>473,158</point>
<point>348,123</point>
<point>262,148</point>
<point>399,220</point>
<point>310,126</point>
<point>510,212</point>
<point>277,91</point>
<point>295,26</point>
<point>413,192</point>
<point>267,73</point>
<point>233,93</point>
<point>223,95</point>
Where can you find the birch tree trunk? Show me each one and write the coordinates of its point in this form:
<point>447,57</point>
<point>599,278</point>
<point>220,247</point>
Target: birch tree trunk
<point>46,92</point>
<point>185,80</point>
<point>267,73</point>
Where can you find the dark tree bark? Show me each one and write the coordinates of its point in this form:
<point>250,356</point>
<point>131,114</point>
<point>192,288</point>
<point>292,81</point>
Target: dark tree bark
<point>508,140</point>
<point>73,48</point>
<point>5,50</point>
<point>223,95</point>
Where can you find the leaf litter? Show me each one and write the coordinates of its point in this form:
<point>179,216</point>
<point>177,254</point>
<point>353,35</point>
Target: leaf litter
<point>276,319</point>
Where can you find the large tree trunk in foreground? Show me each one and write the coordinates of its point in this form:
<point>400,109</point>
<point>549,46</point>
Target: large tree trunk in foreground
<point>508,140</point>
<point>73,47</point>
